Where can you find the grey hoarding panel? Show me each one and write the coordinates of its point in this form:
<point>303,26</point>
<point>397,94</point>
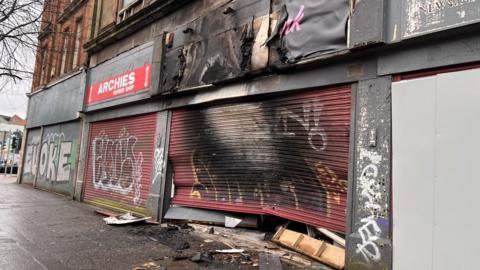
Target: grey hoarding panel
<point>413,119</point>
<point>58,103</point>
<point>58,158</point>
<point>31,156</point>
<point>435,172</point>
<point>426,16</point>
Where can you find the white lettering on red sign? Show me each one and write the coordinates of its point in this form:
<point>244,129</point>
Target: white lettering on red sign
<point>126,83</point>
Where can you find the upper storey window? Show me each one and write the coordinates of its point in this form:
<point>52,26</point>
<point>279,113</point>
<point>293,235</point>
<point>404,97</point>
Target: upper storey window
<point>129,7</point>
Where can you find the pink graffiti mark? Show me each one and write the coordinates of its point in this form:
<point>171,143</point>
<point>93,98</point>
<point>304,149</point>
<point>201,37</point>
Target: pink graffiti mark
<point>290,25</point>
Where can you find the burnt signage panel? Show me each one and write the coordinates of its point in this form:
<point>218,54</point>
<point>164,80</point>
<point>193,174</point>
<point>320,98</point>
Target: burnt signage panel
<point>225,44</point>
<point>308,28</point>
<point>286,156</point>
<point>425,16</point>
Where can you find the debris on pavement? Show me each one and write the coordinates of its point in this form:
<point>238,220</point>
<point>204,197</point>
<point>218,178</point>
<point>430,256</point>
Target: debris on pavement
<point>211,217</point>
<point>229,251</point>
<point>253,241</point>
<point>106,213</point>
<point>202,257</point>
<point>313,248</point>
<point>232,222</point>
<point>147,265</point>
<point>182,246</point>
<point>127,218</point>
<point>268,261</point>
<point>178,257</point>
<point>218,247</point>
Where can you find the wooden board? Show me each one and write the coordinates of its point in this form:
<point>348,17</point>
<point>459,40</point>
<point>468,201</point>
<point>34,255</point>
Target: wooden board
<point>314,248</point>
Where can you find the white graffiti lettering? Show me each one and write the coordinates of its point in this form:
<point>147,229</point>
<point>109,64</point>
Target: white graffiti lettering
<point>370,188</point>
<point>31,159</point>
<point>63,173</point>
<point>116,165</point>
<point>369,233</point>
<point>310,121</point>
<point>54,161</point>
<point>158,165</point>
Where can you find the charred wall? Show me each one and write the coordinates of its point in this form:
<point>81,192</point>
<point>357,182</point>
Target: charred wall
<point>213,42</point>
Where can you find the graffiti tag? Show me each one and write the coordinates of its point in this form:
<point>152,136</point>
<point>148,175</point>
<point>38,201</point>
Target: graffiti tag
<point>309,120</point>
<point>54,162</point>
<point>158,164</point>
<point>116,165</point>
<point>332,185</point>
<point>292,25</point>
<point>370,188</point>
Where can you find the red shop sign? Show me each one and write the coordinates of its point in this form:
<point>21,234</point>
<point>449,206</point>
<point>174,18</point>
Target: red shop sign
<point>129,82</point>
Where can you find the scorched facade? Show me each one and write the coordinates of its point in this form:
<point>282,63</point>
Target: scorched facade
<point>265,107</point>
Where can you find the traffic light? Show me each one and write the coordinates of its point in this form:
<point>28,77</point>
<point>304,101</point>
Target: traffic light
<point>14,143</point>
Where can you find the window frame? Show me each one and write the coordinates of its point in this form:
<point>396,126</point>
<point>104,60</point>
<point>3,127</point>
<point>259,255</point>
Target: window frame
<point>77,43</point>
<point>64,51</point>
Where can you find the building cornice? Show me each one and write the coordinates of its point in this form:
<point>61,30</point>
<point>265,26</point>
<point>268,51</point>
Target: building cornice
<point>70,9</point>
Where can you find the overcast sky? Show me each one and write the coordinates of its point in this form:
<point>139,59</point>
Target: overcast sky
<point>13,99</point>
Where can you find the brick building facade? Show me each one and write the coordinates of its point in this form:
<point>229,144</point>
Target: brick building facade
<point>65,27</point>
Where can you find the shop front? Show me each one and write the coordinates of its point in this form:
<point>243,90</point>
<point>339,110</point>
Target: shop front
<point>53,135</point>
<point>286,156</point>
<point>122,140</point>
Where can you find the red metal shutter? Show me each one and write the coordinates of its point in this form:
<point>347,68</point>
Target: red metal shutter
<point>286,156</point>
<point>120,156</point>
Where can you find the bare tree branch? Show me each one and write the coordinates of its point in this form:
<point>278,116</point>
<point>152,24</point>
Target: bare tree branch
<point>19,28</point>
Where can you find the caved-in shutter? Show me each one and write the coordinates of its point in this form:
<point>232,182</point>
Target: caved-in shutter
<point>120,156</point>
<point>286,156</point>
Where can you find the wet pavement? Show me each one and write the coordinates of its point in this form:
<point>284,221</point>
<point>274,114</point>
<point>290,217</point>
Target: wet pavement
<point>41,230</point>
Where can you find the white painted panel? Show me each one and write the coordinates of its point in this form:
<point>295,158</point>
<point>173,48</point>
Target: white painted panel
<point>457,202</point>
<point>413,119</point>
<point>436,164</point>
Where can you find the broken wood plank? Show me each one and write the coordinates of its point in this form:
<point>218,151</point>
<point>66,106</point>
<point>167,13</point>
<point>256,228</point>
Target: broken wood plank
<point>313,248</point>
<point>107,213</point>
<point>332,236</point>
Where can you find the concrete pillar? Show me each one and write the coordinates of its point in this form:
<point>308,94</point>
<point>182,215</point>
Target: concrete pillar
<point>159,191</point>
<point>369,242</point>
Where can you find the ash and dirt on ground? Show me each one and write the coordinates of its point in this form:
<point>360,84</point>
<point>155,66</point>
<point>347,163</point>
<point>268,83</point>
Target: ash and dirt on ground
<point>186,246</point>
<point>199,245</point>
